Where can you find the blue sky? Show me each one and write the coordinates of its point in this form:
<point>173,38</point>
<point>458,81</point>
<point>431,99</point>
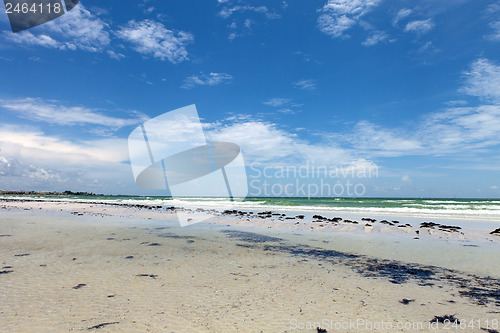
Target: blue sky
<point>411,88</point>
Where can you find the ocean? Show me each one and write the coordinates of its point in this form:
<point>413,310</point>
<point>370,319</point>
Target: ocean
<point>470,208</point>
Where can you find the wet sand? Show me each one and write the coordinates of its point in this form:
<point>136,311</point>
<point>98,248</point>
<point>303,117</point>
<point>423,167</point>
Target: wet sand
<point>85,267</point>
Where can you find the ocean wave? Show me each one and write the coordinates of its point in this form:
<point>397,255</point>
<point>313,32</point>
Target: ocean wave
<point>487,208</point>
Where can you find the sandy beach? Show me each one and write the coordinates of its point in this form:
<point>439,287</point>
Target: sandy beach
<point>69,266</point>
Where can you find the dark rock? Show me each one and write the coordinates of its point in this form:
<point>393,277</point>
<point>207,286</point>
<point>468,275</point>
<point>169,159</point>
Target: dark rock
<point>386,222</point>
<point>449,228</point>
<point>495,232</point>
<point>102,325</point>
<point>406,301</point>
<point>444,319</point>
<point>79,286</point>
<point>154,276</point>
<point>430,225</point>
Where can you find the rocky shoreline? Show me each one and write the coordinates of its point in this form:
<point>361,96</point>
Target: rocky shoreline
<point>365,224</point>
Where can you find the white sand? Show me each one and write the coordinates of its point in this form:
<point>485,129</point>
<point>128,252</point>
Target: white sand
<point>197,278</point>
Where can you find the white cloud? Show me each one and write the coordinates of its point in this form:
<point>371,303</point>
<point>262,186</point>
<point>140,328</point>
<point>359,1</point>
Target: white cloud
<point>228,11</point>
<point>305,84</point>
<point>406,178</point>
<point>493,8</point>
<point>496,34</point>
<point>375,38</point>
<point>32,145</point>
<point>483,80</point>
<point>420,27</point>
<point>27,38</point>
<point>402,14</point>
<point>31,173</point>
<point>152,38</point>
<point>56,113</point>
<point>115,55</point>
<point>457,129</point>
<point>286,111</point>
<point>467,127</point>
<point>370,138</point>
<point>277,101</point>
<point>456,103</point>
<point>265,142</point>
<point>284,105</point>
<point>33,160</point>
<point>83,29</point>
<point>339,16</point>
<point>78,29</point>
<point>211,79</point>
<point>245,24</point>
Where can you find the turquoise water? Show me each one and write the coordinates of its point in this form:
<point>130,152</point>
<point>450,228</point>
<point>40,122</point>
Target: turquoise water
<point>479,207</point>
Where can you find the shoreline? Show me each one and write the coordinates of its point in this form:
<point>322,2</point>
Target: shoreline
<point>89,266</point>
<point>480,229</point>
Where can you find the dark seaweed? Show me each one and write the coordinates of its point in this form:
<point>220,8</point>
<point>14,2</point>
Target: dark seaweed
<point>102,325</point>
<point>250,236</point>
<point>481,290</point>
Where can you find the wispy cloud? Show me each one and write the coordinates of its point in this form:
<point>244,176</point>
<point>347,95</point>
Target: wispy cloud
<point>338,16</point>
<point>483,80</point>
<point>226,12</point>
<point>151,38</point>
<point>202,79</point>
<point>10,168</point>
<point>79,29</point>
<point>456,129</point>
<point>375,38</point>
<point>31,159</point>
<point>56,113</point>
<point>266,142</point>
<point>420,27</point>
<point>39,146</point>
<point>27,38</point>
<point>493,8</point>
<point>308,84</point>
<point>496,31</point>
<point>402,14</point>
<point>241,25</point>
<point>277,101</point>
<point>283,105</point>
